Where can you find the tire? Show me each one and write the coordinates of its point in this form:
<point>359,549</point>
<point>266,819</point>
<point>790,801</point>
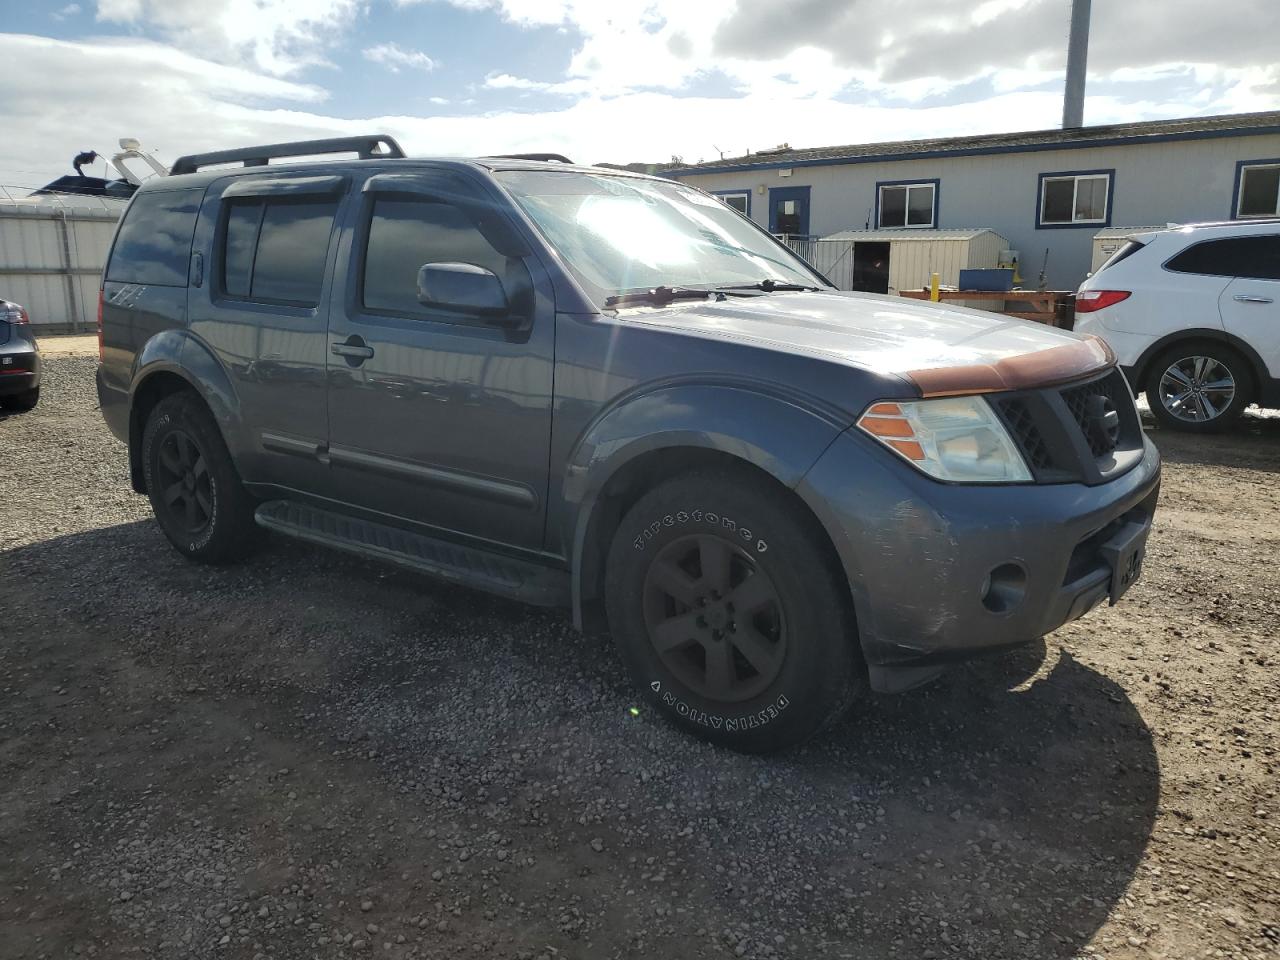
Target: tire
<point>22,402</point>
<point>193,486</point>
<point>1218,386</point>
<point>684,562</point>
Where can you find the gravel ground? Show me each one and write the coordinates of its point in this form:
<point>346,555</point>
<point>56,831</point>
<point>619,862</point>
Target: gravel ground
<point>310,756</point>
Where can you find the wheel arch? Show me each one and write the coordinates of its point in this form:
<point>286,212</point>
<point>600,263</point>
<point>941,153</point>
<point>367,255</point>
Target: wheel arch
<point>675,429</point>
<point>172,362</point>
<point>1251,356</point>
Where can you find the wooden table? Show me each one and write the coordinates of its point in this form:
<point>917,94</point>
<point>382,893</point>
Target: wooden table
<point>1044,306</point>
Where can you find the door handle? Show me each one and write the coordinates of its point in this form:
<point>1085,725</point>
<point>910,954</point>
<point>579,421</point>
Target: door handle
<point>1245,298</point>
<point>352,350</point>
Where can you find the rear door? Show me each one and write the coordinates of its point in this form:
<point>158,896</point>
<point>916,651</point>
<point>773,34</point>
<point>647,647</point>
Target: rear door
<point>261,307</point>
<point>446,420</point>
<point>144,289</point>
<point>1251,302</point>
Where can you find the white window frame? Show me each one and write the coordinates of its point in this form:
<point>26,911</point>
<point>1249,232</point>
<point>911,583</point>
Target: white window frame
<point>1075,178</point>
<point>906,210</point>
<point>1244,172</point>
<point>724,196</point>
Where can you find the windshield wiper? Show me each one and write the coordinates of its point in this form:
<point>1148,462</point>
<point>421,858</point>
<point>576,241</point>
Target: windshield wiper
<point>769,285</point>
<point>661,296</point>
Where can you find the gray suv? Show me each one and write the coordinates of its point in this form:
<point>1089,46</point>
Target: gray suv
<point>583,387</point>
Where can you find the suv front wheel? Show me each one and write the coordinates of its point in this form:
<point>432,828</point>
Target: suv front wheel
<point>732,619</point>
<point>1199,387</point>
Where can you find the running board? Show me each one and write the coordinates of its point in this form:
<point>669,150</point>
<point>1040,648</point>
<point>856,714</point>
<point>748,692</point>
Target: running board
<point>468,566</point>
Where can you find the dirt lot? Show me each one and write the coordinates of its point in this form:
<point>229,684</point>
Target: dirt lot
<point>310,756</point>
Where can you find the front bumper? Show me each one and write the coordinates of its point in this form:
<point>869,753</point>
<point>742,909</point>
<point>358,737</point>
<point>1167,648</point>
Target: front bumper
<point>940,572</point>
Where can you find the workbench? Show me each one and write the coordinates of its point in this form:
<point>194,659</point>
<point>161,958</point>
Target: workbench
<point>1053,307</point>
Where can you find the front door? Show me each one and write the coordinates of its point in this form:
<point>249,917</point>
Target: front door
<point>789,211</point>
<point>437,417</point>
<point>1250,304</point>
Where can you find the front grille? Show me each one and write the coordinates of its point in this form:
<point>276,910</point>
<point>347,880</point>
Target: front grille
<point>1086,403</point>
<point>1021,423</point>
<point>1085,432</point>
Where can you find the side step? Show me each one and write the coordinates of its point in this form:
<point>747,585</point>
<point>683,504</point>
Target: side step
<point>491,572</point>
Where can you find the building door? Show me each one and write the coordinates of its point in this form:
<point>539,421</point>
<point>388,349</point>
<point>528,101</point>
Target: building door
<point>871,267</point>
<point>436,416</point>
<point>789,211</point>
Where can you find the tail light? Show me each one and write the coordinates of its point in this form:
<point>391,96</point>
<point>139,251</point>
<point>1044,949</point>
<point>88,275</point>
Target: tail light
<point>1089,301</point>
<point>14,314</point>
<point>100,350</point>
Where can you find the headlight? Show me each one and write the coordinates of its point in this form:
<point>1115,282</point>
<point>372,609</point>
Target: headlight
<point>951,438</point>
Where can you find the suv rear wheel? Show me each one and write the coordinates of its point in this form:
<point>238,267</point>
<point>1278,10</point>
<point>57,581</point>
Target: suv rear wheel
<point>731,618</point>
<point>1199,387</point>
<point>195,492</point>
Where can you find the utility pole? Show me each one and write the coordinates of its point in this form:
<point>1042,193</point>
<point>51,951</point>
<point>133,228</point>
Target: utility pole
<point>1077,61</point>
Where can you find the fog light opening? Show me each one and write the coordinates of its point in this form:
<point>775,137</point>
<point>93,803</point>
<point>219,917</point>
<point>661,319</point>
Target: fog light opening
<point>1004,588</point>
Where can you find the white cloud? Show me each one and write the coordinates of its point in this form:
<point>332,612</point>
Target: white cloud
<point>505,81</point>
<point>394,57</point>
<point>279,37</point>
<point>630,76</point>
<point>70,10</point>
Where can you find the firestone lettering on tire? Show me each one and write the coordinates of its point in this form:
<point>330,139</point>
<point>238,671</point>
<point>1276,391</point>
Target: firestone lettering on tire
<point>749,721</point>
<point>681,517</point>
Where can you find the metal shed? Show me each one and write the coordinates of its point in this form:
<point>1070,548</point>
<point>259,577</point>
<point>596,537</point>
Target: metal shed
<point>52,250</point>
<point>1106,242</point>
<point>887,261</point>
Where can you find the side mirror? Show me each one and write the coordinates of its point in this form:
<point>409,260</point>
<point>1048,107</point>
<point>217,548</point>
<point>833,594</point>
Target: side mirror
<point>462,287</point>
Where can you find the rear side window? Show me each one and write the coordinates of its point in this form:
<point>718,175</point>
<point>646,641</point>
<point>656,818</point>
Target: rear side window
<point>1129,248</point>
<point>153,245</point>
<point>404,235</point>
<point>1257,257</point>
<point>274,251</point>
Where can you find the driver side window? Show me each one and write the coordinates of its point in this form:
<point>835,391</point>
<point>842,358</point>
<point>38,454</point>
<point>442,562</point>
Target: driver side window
<point>404,235</point>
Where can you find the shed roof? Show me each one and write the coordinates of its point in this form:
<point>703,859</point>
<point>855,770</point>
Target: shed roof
<point>902,234</point>
<point>1115,134</point>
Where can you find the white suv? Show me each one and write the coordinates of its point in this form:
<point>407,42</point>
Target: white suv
<point>1193,314</point>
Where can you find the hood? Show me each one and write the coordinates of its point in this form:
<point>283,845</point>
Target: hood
<point>944,350</point>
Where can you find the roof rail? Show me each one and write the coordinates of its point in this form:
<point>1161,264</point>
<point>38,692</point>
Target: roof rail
<point>365,147</point>
<point>546,157</point>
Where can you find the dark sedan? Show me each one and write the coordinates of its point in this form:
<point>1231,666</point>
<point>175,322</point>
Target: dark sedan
<point>19,359</point>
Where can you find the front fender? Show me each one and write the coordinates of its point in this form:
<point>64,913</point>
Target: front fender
<point>780,434</point>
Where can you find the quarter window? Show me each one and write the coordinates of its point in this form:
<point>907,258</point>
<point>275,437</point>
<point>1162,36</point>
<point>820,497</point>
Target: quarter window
<point>1067,199</point>
<point>907,205</point>
<point>404,235</point>
<point>1259,190</point>
<point>154,242</point>
<point>275,251</point>
<point>1254,257</point>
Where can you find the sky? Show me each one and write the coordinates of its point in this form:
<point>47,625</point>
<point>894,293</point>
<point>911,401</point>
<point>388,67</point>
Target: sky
<point>600,80</point>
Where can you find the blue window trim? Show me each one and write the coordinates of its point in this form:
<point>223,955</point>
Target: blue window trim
<point>789,193</point>
<point>918,182</point>
<point>734,193</point>
<point>1110,174</point>
<point>1235,191</point>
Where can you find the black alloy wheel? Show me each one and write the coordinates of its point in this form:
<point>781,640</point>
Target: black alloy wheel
<point>714,618</point>
<point>183,476</point>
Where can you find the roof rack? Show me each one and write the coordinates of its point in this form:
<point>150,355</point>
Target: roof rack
<point>365,147</point>
<point>545,157</point>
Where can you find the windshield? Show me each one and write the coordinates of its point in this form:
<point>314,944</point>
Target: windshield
<point>620,234</point>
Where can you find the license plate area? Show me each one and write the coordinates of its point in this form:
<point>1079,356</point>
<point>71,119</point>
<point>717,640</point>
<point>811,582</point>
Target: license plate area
<point>1124,552</point>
